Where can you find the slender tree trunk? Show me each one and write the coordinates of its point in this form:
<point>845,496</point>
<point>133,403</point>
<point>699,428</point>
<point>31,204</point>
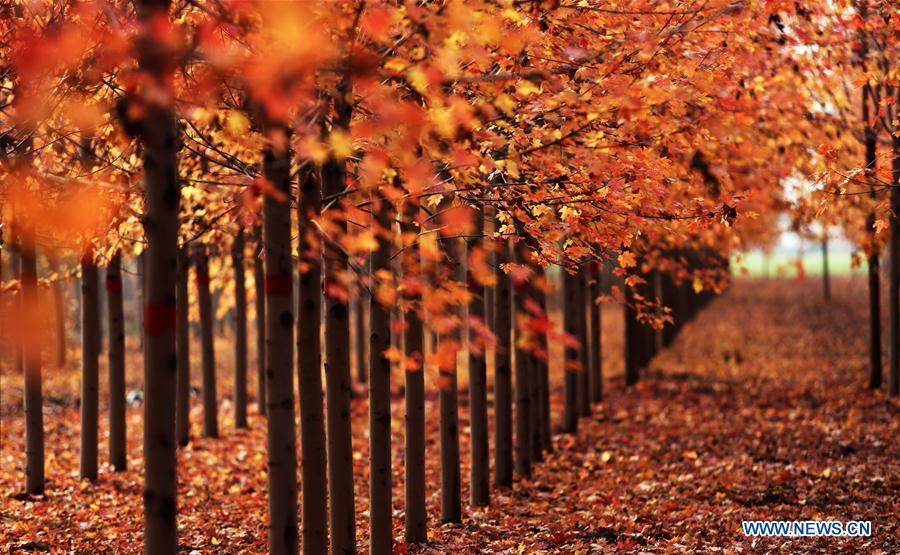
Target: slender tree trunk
<point>478,424</point>
<point>826,281</point>
<point>523,380</point>
<point>207,347</point>
<point>595,378</point>
<point>337,362</point>
<point>90,363</point>
<point>240,332</point>
<point>894,345</point>
<point>115,306</point>
<point>572,356</point>
<point>282,439</point>
<point>632,340</point>
<point>59,308</point>
<point>309,365</point>
<point>871,143</point>
<point>31,361</point>
<point>414,372</point>
<point>162,197</point>
<point>362,340</point>
<point>183,350</point>
<point>380,506</point>
<point>503,430</point>
<point>543,369</point>
<point>451,496</point>
<point>584,390</point>
<point>259,278</point>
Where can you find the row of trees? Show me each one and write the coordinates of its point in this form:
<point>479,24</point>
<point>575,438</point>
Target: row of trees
<point>419,155</point>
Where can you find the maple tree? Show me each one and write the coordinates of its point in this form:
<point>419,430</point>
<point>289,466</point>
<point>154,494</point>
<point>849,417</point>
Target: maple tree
<point>454,162</point>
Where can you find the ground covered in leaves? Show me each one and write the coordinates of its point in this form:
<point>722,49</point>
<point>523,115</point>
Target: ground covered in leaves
<point>759,411</point>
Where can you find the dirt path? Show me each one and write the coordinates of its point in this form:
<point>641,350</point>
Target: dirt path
<point>757,412</point>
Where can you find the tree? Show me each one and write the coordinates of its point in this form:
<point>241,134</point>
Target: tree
<point>183,350</point>
<point>159,135</point>
<point>414,371</point>
<point>283,528</point>
<point>503,429</point>
<point>309,365</point>
<point>207,346</point>
<point>259,278</point>
<point>337,355</point>
<point>240,331</point>
<point>478,425</point>
<point>116,354</point>
<point>90,364</point>
<point>381,508</point>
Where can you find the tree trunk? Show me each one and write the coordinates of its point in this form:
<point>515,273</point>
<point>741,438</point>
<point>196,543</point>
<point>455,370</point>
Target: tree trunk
<point>31,361</point>
<point>894,345</point>
<point>523,379</point>
<point>572,356</point>
<point>259,278</point>
<point>337,362</point>
<point>309,366</point>
<point>282,439</point>
<point>362,359</point>
<point>584,390</point>
<point>240,332</point>
<point>380,478</point>
<point>632,339</point>
<point>871,143</point>
<point>543,369</point>
<point>503,432</point>
<point>115,306</point>
<point>478,424</point>
<point>826,282</point>
<point>207,347</point>
<point>59,308</point>
<point>595,378</point>
<point>90,363</point>
<point>414,371</point>
<point>183,351</point>
<point>162,197</point>
<point>451,496</point>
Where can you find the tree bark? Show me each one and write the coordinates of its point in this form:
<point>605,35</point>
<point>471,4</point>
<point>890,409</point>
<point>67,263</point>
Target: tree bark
<point>240,332</point>
<point>380,477</point>
<point>259,278</point>
<point>478,424</point>
<point>207,347</point>
<point>503,430</point>
<point>162,197</point>
<point>90,363</point>
<point>826,281</point>
<point>309,366</point>
<point>31,361</point>
<point>337,362</point>
<point>282,439</point>
<point>183,351</point>
<point>116,354</point>
<point>451,496</point>
<point>414,372</point>
<point>894,345</point>
<point>543,369</point>
<point>362,359</point>
<point>572,357</point>
<point>595,378</point>
<point>523,380</point>
<point>632,339</point>
<point>871,143</point>
<point>584,391</point>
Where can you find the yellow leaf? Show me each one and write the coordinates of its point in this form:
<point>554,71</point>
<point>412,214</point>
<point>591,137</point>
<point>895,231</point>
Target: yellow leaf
<point>341,144</point>
<point>627,260</point>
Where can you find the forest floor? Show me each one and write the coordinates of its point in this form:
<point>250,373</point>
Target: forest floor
<point>758,412</point>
